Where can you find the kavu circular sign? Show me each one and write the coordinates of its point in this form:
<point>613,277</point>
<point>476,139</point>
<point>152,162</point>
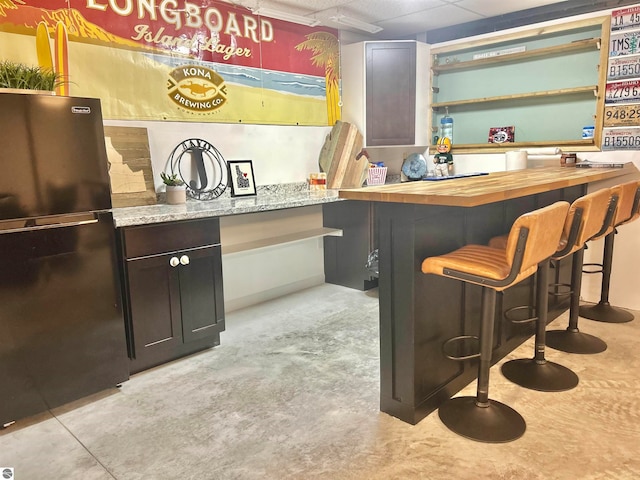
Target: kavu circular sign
<point>197,89</point>
<point>201,167</point>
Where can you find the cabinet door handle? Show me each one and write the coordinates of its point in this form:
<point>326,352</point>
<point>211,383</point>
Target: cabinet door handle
<point>174,262</point>
<point>184,260</point>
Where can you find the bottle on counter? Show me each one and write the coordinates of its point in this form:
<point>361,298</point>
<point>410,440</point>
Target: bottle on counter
<point>446,127</point>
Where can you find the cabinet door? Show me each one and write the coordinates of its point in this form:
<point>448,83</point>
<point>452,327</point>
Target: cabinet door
<point>391,93</point>
<point>154,302</point>
<point>201,298</point>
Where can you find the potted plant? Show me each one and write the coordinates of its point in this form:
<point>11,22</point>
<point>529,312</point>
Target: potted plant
<point>176,190</point>
<point>19,76</point>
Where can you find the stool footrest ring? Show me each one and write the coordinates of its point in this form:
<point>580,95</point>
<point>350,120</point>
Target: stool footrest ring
<point>460,338</point>
<point>599,268</point>
<point>563,293</point>
<point>508,314</point>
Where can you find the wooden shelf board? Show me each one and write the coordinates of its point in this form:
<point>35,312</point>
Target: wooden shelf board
<point>573,145</point>
<point>602,21</point>
<point>281,239</point>
<point>557,49</point>
<point>503,98</point>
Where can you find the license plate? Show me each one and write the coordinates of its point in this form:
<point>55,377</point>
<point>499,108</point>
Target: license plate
<point>622,115</point>
<point>625,18</point>
<point>622,92</point>
<point>624,43</point>
<point>624,67</point>
<point>621,139</point>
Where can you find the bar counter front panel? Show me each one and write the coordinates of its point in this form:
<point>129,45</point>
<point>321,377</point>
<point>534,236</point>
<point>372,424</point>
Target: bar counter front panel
<point>419,312</point>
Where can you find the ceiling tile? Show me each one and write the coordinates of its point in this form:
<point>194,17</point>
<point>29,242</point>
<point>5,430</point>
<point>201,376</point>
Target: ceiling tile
<point>438,17</point>
<point>492,8</point>
<point>382,10</point>
<point>404,18</point>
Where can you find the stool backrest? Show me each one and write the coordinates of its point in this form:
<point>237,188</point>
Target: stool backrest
<point>635,205</point>
<point>584,221</point>
<point>545,227</point>
<point>626,194</point>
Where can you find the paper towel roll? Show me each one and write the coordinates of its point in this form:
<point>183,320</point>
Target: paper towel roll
<point>544,151</point>
<point>516,160</point>
<point>544,157</point>
<point>544,161</point>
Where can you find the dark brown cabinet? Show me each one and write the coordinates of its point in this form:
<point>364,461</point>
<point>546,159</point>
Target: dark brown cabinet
<point>173,290</point>
<point>385,91</point>
<point>391,111</point>
<point>345,256</point>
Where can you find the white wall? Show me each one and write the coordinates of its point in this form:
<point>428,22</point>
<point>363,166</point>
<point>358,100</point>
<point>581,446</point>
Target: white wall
<point>280,154</point>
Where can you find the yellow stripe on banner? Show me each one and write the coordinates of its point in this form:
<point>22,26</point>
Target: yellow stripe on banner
<point>43,47</point>
<point>62,58</point>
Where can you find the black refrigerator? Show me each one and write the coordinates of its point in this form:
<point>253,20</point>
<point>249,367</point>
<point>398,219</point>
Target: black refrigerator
<point>62,331</point>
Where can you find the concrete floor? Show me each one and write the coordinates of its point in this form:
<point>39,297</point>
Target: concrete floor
<point>292,393</point>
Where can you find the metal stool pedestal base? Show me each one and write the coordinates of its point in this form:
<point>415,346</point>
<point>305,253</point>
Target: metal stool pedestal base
<point>574,342</point>
<point>544,377</point>
<point>604,312</point>
<point>496,423</point>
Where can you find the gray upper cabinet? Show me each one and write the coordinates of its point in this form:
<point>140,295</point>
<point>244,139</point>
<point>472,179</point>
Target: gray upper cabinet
<point>385,91</point>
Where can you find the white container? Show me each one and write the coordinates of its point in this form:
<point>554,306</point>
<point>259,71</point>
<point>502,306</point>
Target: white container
<point>376,175</point>
<point>516,160</point>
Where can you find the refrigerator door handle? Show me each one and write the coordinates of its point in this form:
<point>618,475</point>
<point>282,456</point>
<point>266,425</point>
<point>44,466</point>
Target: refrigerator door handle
<point>49,226</point>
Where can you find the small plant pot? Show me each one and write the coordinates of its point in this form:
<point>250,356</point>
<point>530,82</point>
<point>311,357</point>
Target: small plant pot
<point>176,195</point>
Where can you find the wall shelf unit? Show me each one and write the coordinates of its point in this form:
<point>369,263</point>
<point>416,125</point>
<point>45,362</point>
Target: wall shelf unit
<point>503,98</point>
<point>578,45</point>
<point>547,82</point>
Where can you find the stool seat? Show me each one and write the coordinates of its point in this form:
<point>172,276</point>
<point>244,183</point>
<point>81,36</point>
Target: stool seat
<point>485,263</point>
<point>531,241</point>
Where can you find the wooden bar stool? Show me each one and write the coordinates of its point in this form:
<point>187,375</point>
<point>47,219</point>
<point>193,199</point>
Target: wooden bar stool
<point>589,218</point>
<point>627,211</point>
<point>533,238</point>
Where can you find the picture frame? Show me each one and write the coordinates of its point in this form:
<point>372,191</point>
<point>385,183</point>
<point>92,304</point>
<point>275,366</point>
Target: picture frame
<point>241,178</point>
<point>502,134</point>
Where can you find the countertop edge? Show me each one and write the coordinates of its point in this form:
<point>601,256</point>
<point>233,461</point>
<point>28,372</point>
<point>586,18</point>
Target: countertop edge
<point>195,209</point>
<point>482,190</point>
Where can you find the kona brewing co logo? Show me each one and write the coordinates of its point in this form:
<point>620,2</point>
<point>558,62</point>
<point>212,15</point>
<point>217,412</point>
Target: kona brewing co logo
<point>197,88</point>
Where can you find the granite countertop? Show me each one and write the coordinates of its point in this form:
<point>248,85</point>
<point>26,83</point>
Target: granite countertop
<point>269,197</point>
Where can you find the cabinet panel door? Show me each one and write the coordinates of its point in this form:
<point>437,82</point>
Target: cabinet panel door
<point>155,307</point>
<point>202,303</point>
<point>391,93</point>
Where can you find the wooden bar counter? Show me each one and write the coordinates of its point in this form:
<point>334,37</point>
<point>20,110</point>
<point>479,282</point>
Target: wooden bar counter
<point>418,312</point>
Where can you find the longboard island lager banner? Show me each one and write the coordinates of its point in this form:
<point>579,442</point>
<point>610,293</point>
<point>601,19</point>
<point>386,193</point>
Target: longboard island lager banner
<point>198,60</point>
